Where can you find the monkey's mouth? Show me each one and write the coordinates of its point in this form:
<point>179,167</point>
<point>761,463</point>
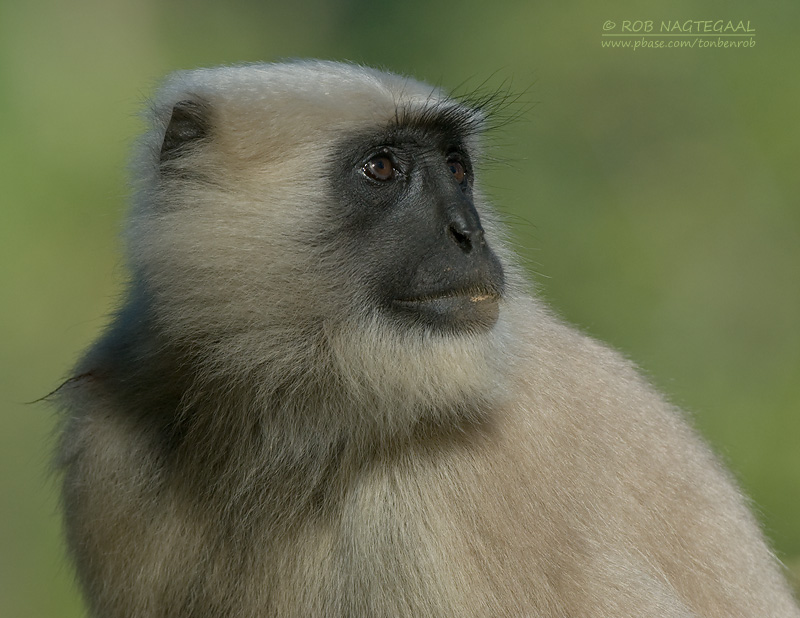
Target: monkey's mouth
<point>452,310</point>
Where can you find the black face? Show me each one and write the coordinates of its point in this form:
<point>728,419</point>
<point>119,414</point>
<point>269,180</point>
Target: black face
<point>405,202</point>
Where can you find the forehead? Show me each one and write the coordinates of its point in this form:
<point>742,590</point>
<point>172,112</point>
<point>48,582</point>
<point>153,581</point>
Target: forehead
<point>278,105</point>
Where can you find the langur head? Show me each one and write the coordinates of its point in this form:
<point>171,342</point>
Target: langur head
<point>320,225</point>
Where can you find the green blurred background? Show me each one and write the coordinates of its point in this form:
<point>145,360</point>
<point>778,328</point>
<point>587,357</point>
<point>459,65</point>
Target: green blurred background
<point>652,193</point>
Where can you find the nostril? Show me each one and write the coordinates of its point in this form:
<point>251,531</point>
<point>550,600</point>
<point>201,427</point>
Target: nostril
<point>461,237</point>
<point>463,225</point>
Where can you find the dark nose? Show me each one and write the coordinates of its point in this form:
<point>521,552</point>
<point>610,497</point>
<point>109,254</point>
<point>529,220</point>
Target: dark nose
<point>464,226</point>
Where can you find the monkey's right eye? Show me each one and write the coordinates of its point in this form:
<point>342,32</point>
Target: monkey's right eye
<point>380,167</point>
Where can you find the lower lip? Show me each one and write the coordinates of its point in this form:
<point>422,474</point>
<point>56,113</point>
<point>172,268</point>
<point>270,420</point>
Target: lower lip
<point>460,312</point>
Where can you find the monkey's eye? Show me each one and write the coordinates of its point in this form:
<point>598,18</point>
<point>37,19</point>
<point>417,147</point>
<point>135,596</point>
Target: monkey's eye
<point>380,167</point>
<point>457,169</point>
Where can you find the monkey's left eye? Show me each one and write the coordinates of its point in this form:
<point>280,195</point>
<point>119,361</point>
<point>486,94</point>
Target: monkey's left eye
<point>457,169</point>
<point>380,167</point>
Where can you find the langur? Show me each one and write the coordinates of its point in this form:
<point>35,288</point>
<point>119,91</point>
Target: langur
<point>328,392</point>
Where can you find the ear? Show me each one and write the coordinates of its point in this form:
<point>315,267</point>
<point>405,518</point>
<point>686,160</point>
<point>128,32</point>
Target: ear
<point>189,123</point>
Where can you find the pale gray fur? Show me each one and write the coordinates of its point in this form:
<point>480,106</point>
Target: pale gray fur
<point>326,463</point>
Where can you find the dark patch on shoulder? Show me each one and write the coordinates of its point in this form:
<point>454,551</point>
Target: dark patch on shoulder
<point>140,374</point>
